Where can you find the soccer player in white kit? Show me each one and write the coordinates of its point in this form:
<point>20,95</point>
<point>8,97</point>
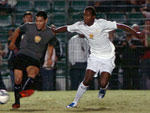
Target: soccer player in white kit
<point>102,50</point>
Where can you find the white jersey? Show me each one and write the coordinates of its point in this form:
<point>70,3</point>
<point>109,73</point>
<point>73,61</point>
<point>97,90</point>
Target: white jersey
<point>98,36</point>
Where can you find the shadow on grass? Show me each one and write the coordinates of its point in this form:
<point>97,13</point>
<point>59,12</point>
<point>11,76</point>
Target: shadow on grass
<point>88,109</point>
<point>23,110</point>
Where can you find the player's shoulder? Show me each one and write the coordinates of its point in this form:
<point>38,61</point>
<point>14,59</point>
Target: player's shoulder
<point>100,20</point>
<point>27,25</point>
<point>30,23</point>
<point>79,23</point>
<point>49,28</point>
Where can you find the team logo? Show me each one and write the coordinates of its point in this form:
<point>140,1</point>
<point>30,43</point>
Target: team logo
<point>91,36</point>
<point>37,39</point>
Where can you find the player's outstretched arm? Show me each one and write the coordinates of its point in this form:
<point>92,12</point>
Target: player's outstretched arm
<point>59,30</point>
<point>128,29</point>
<point>13,38</point>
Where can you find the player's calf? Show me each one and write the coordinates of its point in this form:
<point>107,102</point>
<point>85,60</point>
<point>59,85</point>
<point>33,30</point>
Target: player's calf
<point>17,89</point>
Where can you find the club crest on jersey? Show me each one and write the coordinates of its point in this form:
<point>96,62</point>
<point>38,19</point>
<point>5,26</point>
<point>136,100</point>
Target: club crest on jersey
<point>37,39</point>
<point>91,36</point>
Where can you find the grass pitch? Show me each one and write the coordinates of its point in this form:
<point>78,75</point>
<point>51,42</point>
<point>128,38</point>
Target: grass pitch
<point>115,101</point>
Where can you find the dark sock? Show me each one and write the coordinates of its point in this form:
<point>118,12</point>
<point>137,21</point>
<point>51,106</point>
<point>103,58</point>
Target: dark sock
<point>17,89</point>
<point>29,83</point>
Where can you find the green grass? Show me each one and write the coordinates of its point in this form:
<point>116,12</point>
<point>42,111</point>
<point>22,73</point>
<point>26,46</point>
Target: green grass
<point>115,101</point>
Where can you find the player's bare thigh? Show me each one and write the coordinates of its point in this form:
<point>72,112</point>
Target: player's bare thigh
<point>32,71</point>
<point>104,79</point>
<point>89,74</point>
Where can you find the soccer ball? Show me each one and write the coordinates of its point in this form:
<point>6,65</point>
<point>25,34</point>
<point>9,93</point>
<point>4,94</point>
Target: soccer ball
<point>4,96</point>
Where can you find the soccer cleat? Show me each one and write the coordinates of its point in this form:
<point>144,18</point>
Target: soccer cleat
<point>26,93</point>
<point>72,105</point>
<point>15,106</point>
<point>101,93</point>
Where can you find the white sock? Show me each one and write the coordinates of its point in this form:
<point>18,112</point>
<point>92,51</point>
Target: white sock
<point>81,89</point>
<point>105,86</point>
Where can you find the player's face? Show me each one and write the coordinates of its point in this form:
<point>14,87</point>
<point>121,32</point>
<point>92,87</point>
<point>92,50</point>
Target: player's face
<point>41,23</point>
<point>147,24</point>
<point>88,17</point>
<point>27,18</point>
<point>136,28</point>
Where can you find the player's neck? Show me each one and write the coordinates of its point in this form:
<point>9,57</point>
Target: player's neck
<point>42,29</point>
<point>90,23</point>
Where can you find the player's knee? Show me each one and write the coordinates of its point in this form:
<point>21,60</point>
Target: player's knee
<point>32,75</point>
<point>86,82</point>
<point>103,84</point>
<point>33,72</point>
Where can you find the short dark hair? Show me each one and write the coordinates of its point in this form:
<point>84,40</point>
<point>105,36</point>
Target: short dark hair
<point>92,9</point>
<point>27,13</point>
<point>42,14</point>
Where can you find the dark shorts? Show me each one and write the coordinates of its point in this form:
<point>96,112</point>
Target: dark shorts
<point>21,62</point>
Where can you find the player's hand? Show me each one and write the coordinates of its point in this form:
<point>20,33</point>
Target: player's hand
<point>53,28</point>
<point>139,35</point>
<point>49,63</point>
<point>12,46</point>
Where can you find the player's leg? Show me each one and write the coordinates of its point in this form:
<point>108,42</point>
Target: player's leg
<point>91,70</point>
<point>103,81</point>
<point>106,70</point>
<point>32,72</point>
<point>27,88</point>
<point>17,87</point>
<point>82,87</point>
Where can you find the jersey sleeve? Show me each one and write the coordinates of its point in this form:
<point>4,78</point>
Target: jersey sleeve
<point>23,27</point>
<point>108,25</point>
<point>74,28</point>
<point>53,41</point>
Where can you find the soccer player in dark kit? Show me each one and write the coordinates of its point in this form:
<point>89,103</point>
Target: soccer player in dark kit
<point>32,48</point>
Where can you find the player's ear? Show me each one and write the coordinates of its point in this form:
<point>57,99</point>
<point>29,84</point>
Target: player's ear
<point>46,20</point>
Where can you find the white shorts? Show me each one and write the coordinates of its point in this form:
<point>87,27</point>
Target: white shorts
<point>100,65</point>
